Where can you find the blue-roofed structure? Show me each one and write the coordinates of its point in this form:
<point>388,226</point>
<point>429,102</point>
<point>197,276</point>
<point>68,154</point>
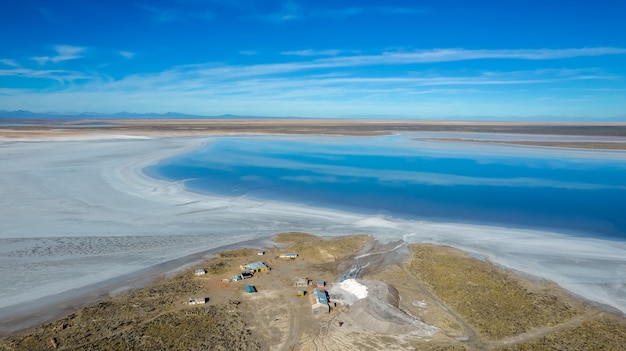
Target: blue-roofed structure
<point>249,289</point>
<point>254,267</point>
<point>319,302</point>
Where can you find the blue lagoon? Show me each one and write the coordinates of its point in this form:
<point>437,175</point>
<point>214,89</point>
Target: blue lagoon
<point>566,191</point>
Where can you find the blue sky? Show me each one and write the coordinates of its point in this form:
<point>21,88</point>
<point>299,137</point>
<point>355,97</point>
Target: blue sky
<point>405,59</point>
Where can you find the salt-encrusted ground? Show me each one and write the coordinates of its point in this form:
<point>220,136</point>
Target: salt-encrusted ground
<point>79,212</point>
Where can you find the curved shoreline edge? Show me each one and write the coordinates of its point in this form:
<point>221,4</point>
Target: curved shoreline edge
<point>487,243</point>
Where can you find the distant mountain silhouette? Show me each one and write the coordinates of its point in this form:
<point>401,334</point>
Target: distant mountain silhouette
<point>28,115</point>
<point>22,114</point>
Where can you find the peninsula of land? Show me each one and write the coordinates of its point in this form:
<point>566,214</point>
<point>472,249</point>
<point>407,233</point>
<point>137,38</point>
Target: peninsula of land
<point>349,293</point>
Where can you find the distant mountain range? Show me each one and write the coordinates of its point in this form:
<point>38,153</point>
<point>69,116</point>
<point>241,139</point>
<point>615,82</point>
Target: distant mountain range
<point>22,114</point>
<point>28,115</point>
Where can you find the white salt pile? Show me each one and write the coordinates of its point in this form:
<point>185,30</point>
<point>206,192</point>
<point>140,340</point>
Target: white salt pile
<point>354,287</point>
<point>348,292</point>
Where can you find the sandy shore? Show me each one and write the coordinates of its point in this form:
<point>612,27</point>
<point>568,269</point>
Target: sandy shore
<point>74,224</point>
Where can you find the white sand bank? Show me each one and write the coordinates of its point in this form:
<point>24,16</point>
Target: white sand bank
<point>78,212</point>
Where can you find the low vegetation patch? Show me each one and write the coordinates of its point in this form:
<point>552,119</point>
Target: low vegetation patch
<point>217,266</point>
<point>210,328</point>
<point>489,298</point>
<point>236,253</point>
<point>294,237</point>
<point>322,250</point>
<point>601,333</point>
<point>145,319</point>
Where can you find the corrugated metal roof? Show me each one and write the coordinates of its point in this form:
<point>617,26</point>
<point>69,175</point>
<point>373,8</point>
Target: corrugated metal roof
<point>256,265</point>
<point>320,297</point>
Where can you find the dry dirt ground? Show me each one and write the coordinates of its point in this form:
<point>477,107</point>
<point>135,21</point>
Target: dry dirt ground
<point>184,127</point>
<point>420,297</point>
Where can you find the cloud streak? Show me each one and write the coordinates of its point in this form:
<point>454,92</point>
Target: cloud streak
<point>314,85</point>
<point>61,76</point>
<point>396,59</point>
<point>311,52</point>
<point>127,54</point>
<point>9,62</point>
<point>168,15</point>
<point>64,53</point>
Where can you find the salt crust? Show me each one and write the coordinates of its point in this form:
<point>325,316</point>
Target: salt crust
<point>355,288</point>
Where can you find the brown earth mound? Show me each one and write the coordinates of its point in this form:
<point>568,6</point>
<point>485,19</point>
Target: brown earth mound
<point>380,312</point>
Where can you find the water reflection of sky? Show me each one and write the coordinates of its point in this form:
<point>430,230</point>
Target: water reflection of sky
<point>400,177</point>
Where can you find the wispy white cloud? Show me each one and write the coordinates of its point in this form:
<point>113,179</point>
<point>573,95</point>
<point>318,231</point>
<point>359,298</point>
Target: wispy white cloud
<point>311,52</point>
<point>315,86</point>
<point>162,15</point>
<point>391,59</point>
<point>9,62</point>
<point>165,15</point>
<point>249,52</point>
<point>64,53</point>
<point>127,54</point>
<point>449,55</point>
<point>402,10</point>
<point>53,74</point>
<point>337,13</point>
<point>291,11</point>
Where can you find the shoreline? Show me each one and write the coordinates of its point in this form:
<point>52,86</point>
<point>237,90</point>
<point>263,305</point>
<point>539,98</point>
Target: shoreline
<point>597,145</point>
<point>20,317</point>
<point>401,298</point>
<point>288,126</point>
<point>488,241</point>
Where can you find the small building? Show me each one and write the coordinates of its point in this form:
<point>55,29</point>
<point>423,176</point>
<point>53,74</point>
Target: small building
<point>319,302</point>
<point>292,256</point>
<point>301,293</point>
<point>321,284</point>
<point>197,300</point>
<point>249,289</point>
<point>200,271</point>
<point>246,274</point>
<point>237,278</point>
<point>302,282</point>
<point>261,253</point>
<point>254,267</point>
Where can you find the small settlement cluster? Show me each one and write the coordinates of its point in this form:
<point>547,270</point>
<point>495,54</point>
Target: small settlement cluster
<point>319,298</point>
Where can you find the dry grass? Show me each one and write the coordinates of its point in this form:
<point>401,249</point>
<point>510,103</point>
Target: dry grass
<point>605,333</point>
<point>501,307</point>
<point>425,346</point>
<point>490,299</point>
<point>237,253</point>
<point>322,250</point>
<point>145,319</point>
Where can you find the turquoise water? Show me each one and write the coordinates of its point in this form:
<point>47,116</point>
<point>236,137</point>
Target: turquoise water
<point>402,178</point>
